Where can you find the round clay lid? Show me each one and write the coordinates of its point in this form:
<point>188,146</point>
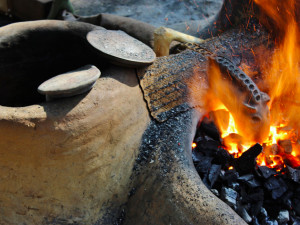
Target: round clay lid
<point>121,48</point>
<point>71,83</point>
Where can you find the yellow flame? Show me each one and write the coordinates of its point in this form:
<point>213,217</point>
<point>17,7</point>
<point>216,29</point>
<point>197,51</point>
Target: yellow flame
<point>276,134</point>
<point>282,75</point>
<point>231,127</point>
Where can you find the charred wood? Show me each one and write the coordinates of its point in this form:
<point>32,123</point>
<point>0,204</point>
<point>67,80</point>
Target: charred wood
<point>246,163</point>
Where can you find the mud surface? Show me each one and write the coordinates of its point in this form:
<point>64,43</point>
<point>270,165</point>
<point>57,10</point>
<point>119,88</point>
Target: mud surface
<point>155,12</point>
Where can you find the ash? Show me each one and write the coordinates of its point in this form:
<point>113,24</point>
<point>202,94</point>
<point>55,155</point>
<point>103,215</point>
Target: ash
<point>260,195</point>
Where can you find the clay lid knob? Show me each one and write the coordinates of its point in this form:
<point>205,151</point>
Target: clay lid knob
<point>120,48</point>
<point>71,83</point>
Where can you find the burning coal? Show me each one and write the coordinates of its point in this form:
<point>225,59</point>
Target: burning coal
<point>281,80</point>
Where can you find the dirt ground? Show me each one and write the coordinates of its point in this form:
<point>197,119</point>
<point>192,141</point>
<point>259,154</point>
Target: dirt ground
<point>155,12</point>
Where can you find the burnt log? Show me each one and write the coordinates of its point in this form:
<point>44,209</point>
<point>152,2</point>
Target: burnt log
<point>246,162</point>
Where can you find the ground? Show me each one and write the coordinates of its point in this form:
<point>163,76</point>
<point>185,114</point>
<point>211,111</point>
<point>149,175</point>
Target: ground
<point>155,12</point>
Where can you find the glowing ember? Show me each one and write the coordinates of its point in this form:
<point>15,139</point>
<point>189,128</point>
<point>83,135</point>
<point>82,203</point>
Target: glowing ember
<point>272,155</point>
<point>194,145</point>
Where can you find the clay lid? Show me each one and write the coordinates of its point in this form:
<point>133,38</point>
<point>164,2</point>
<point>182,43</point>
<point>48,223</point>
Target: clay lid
<point>120,48</point>
<point>71,83</point>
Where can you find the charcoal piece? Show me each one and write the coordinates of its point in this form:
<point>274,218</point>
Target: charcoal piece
<point>208,147</point>
<point>288,204</point>
<point>204,165</point>
<point>266,172</point>
<point>223,158</point>
<point>263,214</point>
<point>285,146</point>
<point>222,174</point>
<point>209,128</point>
<point>296,205</point>
<point>266,221</point>
<point>246,206</point>
<point>250,180</point>
<point>295,220</point>
<point>255,221</point>
<point>293,174</point>
<point>297,191</point>
<point>273,208</point>
<point>215,192</point>
<point>283,217</point>
<point>205,181</point>
<point>278,192</point>
<point>235,186</point>
<point>269,222</point>
<point>214,174</point>
<point>256,196</point>
<point>244,214</point>
<point>229,196</point>
<point>208,138</point>
<point>273,183</point>
<point>230,176</point>
<point>245,164</point>
<point>198,138</point>
<point>196,156</point>
<point>256,207</point>
<point>286,199</point>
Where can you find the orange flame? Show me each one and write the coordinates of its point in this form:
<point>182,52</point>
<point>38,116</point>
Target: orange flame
<point>234,100</point>
<point>281,76</point>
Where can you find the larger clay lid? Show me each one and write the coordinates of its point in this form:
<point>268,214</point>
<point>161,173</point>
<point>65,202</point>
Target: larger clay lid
<point>71,83</point>
<point>120,48</point>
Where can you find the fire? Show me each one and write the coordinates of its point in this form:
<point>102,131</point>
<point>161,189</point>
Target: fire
<point>282,74</point>
<point>231,127</point>
<point>281,78</point>
<point>273,156</point>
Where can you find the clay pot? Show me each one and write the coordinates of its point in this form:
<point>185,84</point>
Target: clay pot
<point>95,158</point>
<point>71,159</point>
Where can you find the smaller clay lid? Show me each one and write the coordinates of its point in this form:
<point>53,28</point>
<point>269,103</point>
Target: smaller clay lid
<point>71,83</point>
<point>120,48</point>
